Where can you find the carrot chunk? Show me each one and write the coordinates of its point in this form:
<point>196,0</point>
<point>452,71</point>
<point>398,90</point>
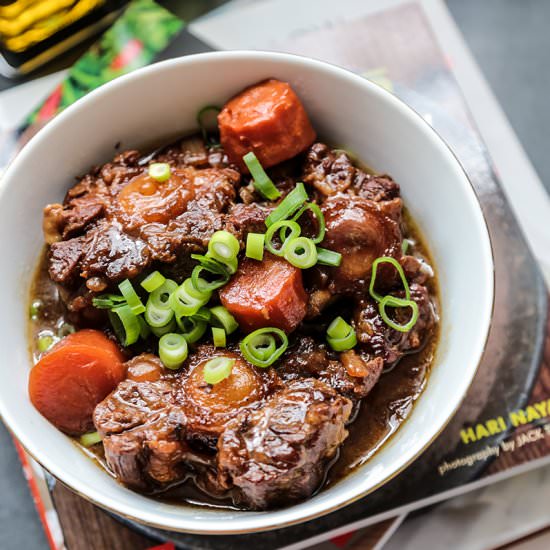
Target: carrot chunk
<point>266,294</point>
<point>70,380</point>
<point>268,119</point>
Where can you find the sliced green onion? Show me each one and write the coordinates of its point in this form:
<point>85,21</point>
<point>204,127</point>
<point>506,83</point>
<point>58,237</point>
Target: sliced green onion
<point>173,350</point>
<point>156,316</point>
<point>318,216</point>
<point>144,328</point>
<point>328,257</point>
<point>161,331</point>
<point>108,301</point>
<point>340,335</point>
<point>159,171</point>
<point>218,337</point>
<point>203,314</point>
<point>221,318</point>
<point>300,252</point>
<point>397,265</point>
<point>204,285</point>
<point>160,297</point>
<point>261,181</point>
<point>192,328</point>
<point>257,345</point>
<point>393,301</point>
<point>125,324</point>
<point>153,281</point>
<point>186,300</point>
<point>223,246</point>
<point>131,297</point>
<point>255,246</point>
<point>35,308</point>
<point>203,125</point>
<point>218,369</point>
<point>289,205</point>
<point>405,246</point>
<point>45,342</point>
<point>89,439</point>
<point>281,225</point>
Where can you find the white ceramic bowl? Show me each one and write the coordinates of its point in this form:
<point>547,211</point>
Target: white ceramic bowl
<point>160,102</point>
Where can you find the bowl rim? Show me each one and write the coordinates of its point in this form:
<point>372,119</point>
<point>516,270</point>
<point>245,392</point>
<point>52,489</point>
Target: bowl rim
<point>266,520</point>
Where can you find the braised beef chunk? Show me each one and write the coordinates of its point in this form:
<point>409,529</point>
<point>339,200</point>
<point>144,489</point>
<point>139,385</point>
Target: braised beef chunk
<point>361,230</point>
<point>277,454</point>
<point>332,171</point>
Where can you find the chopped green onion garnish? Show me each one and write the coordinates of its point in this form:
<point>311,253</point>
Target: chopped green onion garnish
<point>261,181</point>
<point>340,335</point>
<point>160,296</point>
<point>45,342</point>
<point>255,246</point>
<point>203,314</point>
<point>218,369</point>
<point>397,265</point>
<point>257,347</point>
<point>405,246</point>
<point>156,316</point>
<point>289,205</point>
<point>192,328</point>
<point>131,297</point>
<point>125,324</point>
<point>218,337</point>
<point>161,331</point>
<point>328,257</point>
<point>108,301</point>
<point>153,281</point>
<point>159,171</point>
<point>173,350</point>
<point>35,308</point>
<point>274,228</point>
<point>393,301</point>
<point>204,125</point>
<point>186,300</point>
<point>300,252</point>
<point>223,246</point>
<point>221,318</point>
<point>318,216</point>
<point>89,439</point>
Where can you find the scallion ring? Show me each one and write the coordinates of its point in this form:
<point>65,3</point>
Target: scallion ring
<point>328,257</point>
<point>160,296</point>
<point>340,335</point>
<point>153,281</point>
<point>217,369</point>
<point>108,301</point>
<point>319,217</point>
<point>192,328</point>
<point>261,181</point>
<point>45,342</point>
<point>161,331</point>
<point>144,328</point>
<point>186,300</point>
<point>159,171</point>
<point>289,205</point>
<point>203,314</point>
<point>125,324</point>
<point>393,301</point>
<point>130,295</point>
<point>216,280</point>
<point>173,350</point>
<point>219,337</point>
<point>156,316</point>
<point>273,229</point>
<point>221,318</point>
<point>254,345</point>
<point>223,246</point>
<point>399,269</point>
<point>255,246</point>
<point>300,252</point>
